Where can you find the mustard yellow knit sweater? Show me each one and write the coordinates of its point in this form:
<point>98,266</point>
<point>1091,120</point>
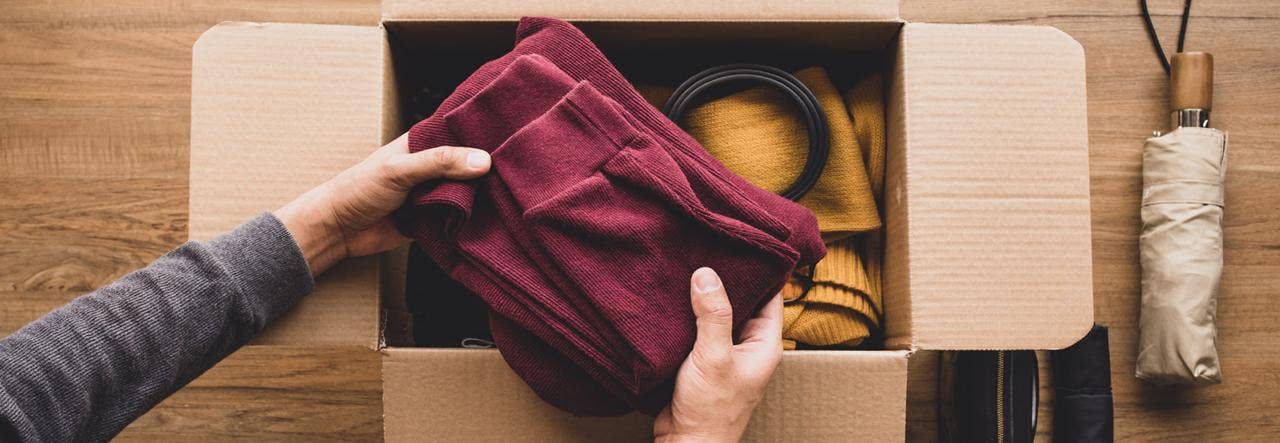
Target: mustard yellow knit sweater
<point>758,134</point>
<point>844,304</point>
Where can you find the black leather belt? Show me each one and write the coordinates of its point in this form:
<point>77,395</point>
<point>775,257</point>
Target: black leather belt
<point>814,117</point>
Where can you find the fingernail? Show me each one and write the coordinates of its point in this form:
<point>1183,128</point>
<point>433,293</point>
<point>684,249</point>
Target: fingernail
<point>477,160</point>
<point>706,280</point>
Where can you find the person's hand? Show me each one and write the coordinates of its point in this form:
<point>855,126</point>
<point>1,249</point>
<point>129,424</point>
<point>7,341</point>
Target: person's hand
<point>349,215</point>
<point>720,382</point>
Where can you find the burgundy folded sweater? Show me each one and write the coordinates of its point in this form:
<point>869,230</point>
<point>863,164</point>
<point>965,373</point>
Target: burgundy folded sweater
<point>583,237</point>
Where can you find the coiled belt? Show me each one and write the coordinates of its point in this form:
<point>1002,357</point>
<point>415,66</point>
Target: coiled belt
<point>815,119</point>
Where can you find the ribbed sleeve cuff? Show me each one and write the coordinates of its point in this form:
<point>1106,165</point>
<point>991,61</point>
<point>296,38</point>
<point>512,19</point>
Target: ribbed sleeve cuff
<point>267,265</point>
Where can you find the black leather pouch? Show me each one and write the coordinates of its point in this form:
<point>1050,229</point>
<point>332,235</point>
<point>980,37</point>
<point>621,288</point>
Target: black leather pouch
<point>988,396</point>
<point>1082,409</point>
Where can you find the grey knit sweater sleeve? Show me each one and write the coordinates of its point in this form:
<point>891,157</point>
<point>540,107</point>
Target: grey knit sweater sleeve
<point>86,370</point>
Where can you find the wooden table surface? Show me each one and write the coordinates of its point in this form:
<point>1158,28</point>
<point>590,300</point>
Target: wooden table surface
<point>94,127</point>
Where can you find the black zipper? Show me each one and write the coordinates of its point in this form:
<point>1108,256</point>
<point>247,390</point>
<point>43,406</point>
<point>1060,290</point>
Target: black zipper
<point>1001,405</point>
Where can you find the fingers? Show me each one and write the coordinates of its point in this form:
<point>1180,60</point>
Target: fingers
<point>407,170</point>
<point>398,146</point>
<point>761,347</point>
<point>767,324</point>
<point>714,315</point>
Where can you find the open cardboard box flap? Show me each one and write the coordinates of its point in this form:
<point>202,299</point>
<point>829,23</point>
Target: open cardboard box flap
<point>987,198</point>
<point>277,109</point>
<point>987,204</point>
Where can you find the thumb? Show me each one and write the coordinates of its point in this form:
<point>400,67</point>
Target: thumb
<point>714,315</point>
<point>409,169</point>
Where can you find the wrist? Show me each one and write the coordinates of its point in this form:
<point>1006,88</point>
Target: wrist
<point>700,433</point>
<point>313,227</point>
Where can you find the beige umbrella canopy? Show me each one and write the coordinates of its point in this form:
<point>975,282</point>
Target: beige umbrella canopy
<point>1181,242</point>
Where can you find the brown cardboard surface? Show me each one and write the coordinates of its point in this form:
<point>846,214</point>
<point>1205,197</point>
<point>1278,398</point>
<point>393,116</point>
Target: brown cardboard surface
<point>397,323</point>
<point>834,396</point>
<point>275,110</point>
<point>895,273</point>
<point>758,10</point>
<point>990,235</point>
<point>471,395</point>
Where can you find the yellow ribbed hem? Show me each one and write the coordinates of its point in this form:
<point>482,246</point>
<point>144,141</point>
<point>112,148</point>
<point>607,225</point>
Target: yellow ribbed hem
<point>840,309</point>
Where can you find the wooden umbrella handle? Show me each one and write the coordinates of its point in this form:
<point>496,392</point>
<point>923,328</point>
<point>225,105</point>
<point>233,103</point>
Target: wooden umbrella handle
<point>1191,81</point>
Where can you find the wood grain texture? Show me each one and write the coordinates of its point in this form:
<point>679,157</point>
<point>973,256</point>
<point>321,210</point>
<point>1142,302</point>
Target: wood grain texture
<point>274,393</point>
<point>95,102</point>
<point>1128,98</point>
<point>94,119</point>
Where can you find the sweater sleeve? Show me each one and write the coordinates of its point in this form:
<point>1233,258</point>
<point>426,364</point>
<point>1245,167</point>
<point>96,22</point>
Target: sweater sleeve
<point>86,370</point>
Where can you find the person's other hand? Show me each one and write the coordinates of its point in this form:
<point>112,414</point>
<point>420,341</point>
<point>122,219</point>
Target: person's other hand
<point>720,382</point>
<point>350,215</point>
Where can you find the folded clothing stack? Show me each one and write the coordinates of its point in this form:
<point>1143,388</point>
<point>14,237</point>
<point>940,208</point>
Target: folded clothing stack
<point>756,133</point>
<point>582,238</point>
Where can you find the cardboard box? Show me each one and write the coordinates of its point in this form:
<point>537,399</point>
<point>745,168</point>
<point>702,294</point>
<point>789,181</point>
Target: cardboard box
<point>987,202</point>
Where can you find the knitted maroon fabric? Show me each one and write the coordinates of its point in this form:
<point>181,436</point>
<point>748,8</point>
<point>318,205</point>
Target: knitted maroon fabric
<point>582,238</point>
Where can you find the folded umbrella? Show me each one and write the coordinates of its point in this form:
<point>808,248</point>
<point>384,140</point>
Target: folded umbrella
<point>1181,241</point>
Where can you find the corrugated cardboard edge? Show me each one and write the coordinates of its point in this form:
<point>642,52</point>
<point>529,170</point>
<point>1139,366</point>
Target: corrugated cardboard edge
<point>394,314</point>
<point>397,323</point>
<point>995,188</point>
<point>656,10</point>
<point>834,396</point>
<point>895,272</point>
<point>436,394</point>
<point>277,109</point>
<point>471,394</point>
